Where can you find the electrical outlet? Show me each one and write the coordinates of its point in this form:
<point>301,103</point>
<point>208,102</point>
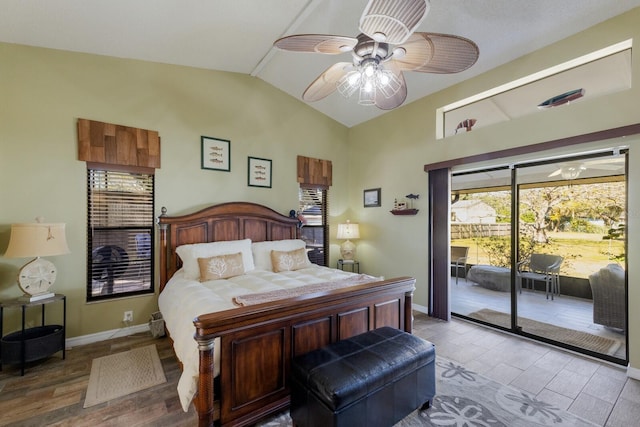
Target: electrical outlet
<point>128,317</point>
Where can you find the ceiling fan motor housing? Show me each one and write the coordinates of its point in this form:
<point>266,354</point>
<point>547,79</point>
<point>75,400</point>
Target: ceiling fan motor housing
<point>369,48</point>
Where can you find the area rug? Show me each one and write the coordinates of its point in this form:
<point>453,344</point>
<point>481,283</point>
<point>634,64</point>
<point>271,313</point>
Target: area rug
<point>569,336</point>
<point>467,399</point>
<point>123,373</point>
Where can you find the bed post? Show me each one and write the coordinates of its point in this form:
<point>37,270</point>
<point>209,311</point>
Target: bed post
<point>408,312</point>
<point>204,398</point>
<point>163,249</point>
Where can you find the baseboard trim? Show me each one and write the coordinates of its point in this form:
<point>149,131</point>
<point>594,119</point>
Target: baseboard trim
<point>633,373</point>
<point>420,308</point>
<point>105,335</point>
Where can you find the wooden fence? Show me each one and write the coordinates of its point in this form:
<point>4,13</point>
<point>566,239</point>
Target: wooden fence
<point>471,230</point>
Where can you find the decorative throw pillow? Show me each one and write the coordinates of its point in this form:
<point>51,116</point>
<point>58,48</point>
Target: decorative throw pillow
<point>289,260</point>
<point>262,251</point>
<point>220,267</point>
<point>189,254</point>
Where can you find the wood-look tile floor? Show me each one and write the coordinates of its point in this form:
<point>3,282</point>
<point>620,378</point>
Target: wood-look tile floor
<point>597,391</point>
<point>52,391</point>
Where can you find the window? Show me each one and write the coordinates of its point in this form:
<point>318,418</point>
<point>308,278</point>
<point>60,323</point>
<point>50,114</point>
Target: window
<point>313,206</point>
<point>120,234</point>
<point>602,72</point>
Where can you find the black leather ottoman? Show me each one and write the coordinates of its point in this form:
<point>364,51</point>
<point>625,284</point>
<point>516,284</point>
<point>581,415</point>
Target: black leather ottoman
<point>373,379</point>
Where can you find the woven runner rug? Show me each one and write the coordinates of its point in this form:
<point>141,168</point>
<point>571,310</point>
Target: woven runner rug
<point>123,373</point>
<point>465,398</point>
<point>569,336</point>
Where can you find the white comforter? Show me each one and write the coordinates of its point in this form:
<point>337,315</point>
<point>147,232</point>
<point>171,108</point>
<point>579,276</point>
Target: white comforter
<point>182,300</point>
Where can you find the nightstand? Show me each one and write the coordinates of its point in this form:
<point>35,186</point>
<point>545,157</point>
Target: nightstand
<point>355,265</point>
<point>35,343</point>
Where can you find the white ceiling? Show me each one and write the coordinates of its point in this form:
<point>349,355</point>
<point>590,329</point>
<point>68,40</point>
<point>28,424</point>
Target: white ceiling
<point>237,35</point>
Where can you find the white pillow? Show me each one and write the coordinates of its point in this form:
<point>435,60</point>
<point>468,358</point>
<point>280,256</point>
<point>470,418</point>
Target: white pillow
<point>262,251</point>
<point>189,254</point>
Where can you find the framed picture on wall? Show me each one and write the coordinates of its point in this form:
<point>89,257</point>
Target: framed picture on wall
<point>372,198</point>
<point>259,174</point>
<point>215,154</point>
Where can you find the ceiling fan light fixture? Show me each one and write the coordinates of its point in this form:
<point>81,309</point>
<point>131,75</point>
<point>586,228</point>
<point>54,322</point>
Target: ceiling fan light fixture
<point>572,172</point>
<point>367,94</point>
<point>369,78</point>
<point>369,67</point>
<point>349,83</point>
<point>388,83</point>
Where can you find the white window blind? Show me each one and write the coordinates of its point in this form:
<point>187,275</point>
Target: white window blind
<point>313,205</point>
<point>120,233</point>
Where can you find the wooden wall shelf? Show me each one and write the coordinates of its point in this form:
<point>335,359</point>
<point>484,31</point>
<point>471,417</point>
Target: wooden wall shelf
<point>404,211</point>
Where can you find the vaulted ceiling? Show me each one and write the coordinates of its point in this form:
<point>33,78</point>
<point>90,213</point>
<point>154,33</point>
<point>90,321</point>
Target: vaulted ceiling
<point>237,35</point>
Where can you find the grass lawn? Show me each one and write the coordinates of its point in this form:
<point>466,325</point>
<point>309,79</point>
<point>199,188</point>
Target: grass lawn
<point>583,253</point>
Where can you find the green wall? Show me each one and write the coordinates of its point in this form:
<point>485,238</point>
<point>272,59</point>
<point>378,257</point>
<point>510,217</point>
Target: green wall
<point>390,152</point>
<point>43,92</point>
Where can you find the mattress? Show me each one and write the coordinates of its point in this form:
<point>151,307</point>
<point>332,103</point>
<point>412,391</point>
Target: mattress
<point>184,299</point>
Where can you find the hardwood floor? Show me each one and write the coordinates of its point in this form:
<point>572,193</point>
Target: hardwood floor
<point>52,392</point>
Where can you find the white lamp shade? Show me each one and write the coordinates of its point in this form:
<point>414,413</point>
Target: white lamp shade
<point>37,240</point>
<point>348,231</point>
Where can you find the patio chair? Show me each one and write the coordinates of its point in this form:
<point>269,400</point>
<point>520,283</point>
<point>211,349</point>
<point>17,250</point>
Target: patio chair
<point>543,268</point>
<point>459,256</point>
<point>607,287</point>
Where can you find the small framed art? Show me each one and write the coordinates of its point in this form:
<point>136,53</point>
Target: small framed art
<point>259,174</point>
<point>215,154</point>
<point>372,198</point>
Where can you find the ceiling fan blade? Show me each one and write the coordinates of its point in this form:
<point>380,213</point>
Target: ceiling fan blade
<point>555,173</point>
<point>392,21</point>
<point>437,53</point>
<point>326,83</point>
<point>316,43</point>
<point>395,100</point>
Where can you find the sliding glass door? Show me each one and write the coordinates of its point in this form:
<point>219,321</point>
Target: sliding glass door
<point>481,230</point>
<point>565,280</point>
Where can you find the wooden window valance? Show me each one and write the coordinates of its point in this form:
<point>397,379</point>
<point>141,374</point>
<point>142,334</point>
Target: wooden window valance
<point>314,172</point>
<point>106,143</point>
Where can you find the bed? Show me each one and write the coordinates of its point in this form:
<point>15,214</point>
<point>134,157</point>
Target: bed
<point>246,350</point>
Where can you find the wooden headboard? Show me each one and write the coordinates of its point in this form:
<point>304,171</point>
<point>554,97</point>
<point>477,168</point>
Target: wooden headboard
<point>226,221</point>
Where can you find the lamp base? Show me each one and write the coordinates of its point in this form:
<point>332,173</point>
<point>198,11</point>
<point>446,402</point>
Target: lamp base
<point>36,297</point>
<point>347,250</point>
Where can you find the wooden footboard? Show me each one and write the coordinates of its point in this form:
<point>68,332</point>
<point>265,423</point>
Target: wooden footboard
<point>258,343</point>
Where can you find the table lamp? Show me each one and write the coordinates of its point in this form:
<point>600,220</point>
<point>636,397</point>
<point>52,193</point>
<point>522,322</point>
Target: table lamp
<point>347,248</point>
<point>37,240</point>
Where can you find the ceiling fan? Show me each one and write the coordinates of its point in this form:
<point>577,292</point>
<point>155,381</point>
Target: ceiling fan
<point>387,46</point>
<point>573,170</point>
